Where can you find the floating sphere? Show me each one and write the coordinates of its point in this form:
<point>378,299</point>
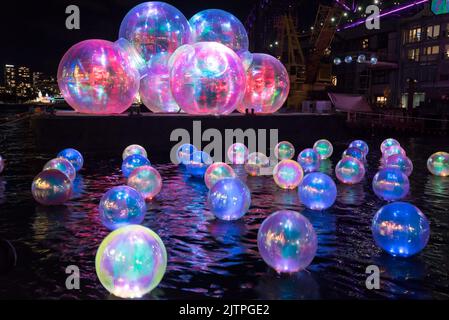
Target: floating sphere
<point>256,164</point>
<point>401,162</point>
<point>284,150</point>
<point>121,206</point>
<point>2,164</point>
<point>350,170</point>
<point>362,145</point>
<point>317,191</point>
<point>134,149</point>
<point>217,171</point>
<point>198,165</point>
<point>133,162</point>
<point>131,261</point>
<point>185,152</point>
<point>438,164</point>
<point>95,78</point>
<point>388,143</point>
<point>247,59</point>
<point>267,85</point>
<point>74,156</point>
<point>288,174</point>
<point>361,58</point>
<point>393,150</point>
<point>287,241</point>
<point>337,61</point>
<point>51,188</point>
<point>324,149</point>
<point>155,27</point>
<point>401,229</point>
<point>309,160</point>
<point>229,199</point>
<point>215,25</point>
<point>391,184</point>
<point>374,60</point>
<point>207,78</point>
<point>238,153</point>
<point>354,153</point>
<point>147,181</point>
<point>63,165</point>
<point>348,59</point>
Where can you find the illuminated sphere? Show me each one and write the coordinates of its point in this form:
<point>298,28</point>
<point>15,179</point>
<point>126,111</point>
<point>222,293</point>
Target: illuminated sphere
<point>360,144</point>
<point>63,165</point>
<point>198,165</point>
<point>317,191</point>
<point>130,53</point>
<point>121,206</point>
<point>287,241</point>
<point>147,181</point>
<point>391,184</point>
<point>401,229</point>
<point>348,59</point>
<point>267,85</point>
<point>2,164</point>
<point>350,170</point>
<point>354,153</point>
<point>134,149</point>
<point>74,156</point>
<point>155,90</point>
<point>238,153</point>
<point>95,78</point>
<point>393,150</point>
<point>51,188</point>
<point>207,78</point>
<point>373,60</point>
<point>215,25</point>
<point>309,160</point>
<point>438,164</point>
<point>361,58</point>
<point>256,163</point>
<point>229,199</point>
<point>155,27</point>
<point>247,59</point>
<point>337,61</point>
<point>185,152</point>
<point>217,171</point>
<point>131,261</point>
<point>284,151</point>
<point>133,162</point>
<point>288,174</point>
<point>400,162</point>
<point>324,149</point>
<point>388,143</point>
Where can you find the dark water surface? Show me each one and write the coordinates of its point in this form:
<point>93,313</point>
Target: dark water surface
<point>210,258</point>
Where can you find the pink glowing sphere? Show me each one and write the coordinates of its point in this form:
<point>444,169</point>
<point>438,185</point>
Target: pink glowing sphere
<point>391,151</point>
<point>147,181</point>
<point>63,165</point>
<point>207,78</point>
<point>267,85</point>
<point>94,77</point>
<point>238,153</point>
<point>216,172</point>
<point>288,174</point>
<point>51,188</point>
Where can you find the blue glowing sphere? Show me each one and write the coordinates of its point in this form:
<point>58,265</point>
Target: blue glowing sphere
<point>348,59</point>
<point>400,229</point>
<point>355,153</point>
<point>391,184</point>
<point>133,162</point>
<point>317,191</point>
<point>309,160</point>
<point>337,61</point>
<point>198,165</point>
<point>360,144</point>
<point>121,206</point>
<point>374,60</point>
<point>361,58</point>
<point>74,156</point>
<point>185,152</point>
<point>229,199</point>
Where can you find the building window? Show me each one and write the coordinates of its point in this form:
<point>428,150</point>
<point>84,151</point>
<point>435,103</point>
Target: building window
<point>446,51</point>
<point>418,98</point>
<point>433,32</point>
<point>413,54</point>
<point>365,43</point>
<point>430,53</point>
<point>413,35</point>
<point>381,101</point>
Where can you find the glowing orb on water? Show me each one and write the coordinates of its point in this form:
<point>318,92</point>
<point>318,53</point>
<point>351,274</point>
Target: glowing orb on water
<point>354,153</point>
<point>63,165</point>
<point>391,151</point>
<point>288,174</point>
<point>134,149</point>
<point>309,160</point>
<point>121,206</point>
<point>324,149</point>
<point>217,171</point>
<point>284,150</point>
<point>74,156</point>
<point>438,164</point>
<point>361,58</point>
<point>198,165</point>
<point>337,61</point>
<point>391,184</point>
<point>147,181</point>
<point>400,229</point>
<point>362,145</point>
<point>238,153</point>
<point>131,261</point>
<point>401,162</point>
<point>229,199</point>
<point>256,164</point>
<point>374,60</point>
<point>51,188</point>
<point>348,59</point>
<point>317,191</point>
<point>287,241</point>
<point>388,143</point>
<point>350,170</point>
<point>133,162</point>
<point>185,152</point>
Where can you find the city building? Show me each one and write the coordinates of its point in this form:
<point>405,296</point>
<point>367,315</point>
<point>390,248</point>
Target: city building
<point>24,83</point>
<point>10,79</point>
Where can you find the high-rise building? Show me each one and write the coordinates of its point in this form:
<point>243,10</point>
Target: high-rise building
<point>24,82</point>
<point>10,79</point>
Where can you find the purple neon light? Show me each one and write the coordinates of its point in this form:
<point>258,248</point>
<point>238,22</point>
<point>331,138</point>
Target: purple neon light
<point>345,6</point>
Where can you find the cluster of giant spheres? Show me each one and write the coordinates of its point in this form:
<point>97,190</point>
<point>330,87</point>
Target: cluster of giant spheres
<point>200,66</point>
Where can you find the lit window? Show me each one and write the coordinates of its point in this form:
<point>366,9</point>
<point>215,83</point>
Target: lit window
<point>365,43</point>
<point>413,35</point>
<point>433,32</point>
<point>413,54</point>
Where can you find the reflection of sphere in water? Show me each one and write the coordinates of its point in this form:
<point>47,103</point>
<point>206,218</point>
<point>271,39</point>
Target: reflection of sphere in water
<point>256,163</point>
<point>238,153</point>
<point>229,199</point>
<point>134,149</point>
<point>309,160</point>
<point>185,152</point>
<point>287,241</point>
<point>388,143</point>
<point>217,171</point>
<point>147,181</point>
<point>207,78</point>
<point>400,229</point>
<point>198,165</point>
<point>401,162</point>
<point>74,156</point>
<point>8,256</point>
<point>288,174</point>
<point>391,184</point>
<point>267,85</point>
<point>121,206</point>
<point>63,165</point>
<point>131,261</point>
<point>133,162</point>
<point>284,150</point>
<point>215,25</point>
<point>355,153</point>
<point>51,188</point>
<point>155,27</point>
<point>360,144</point>
<point>2,164</point>
<point>324,149</point>
<point>438,164</point>
<point>95,78</point>
<point>350,170</point>
<point>317,191</point>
